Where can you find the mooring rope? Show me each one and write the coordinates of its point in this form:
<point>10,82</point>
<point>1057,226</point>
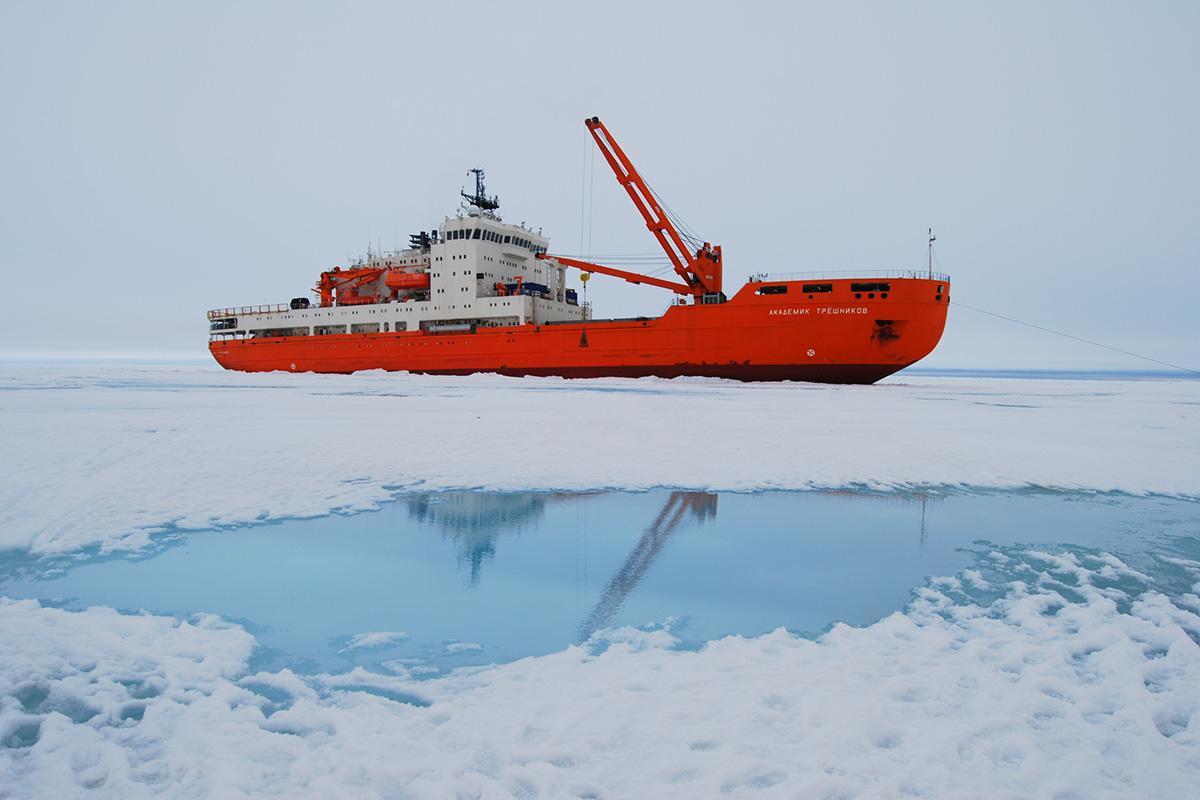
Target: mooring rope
<point>1076,338</point>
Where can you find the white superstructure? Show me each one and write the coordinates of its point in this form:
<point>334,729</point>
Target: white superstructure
<point>474,271</point>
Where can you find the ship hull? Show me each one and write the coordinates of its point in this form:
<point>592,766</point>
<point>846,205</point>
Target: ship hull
<point>764,333</point>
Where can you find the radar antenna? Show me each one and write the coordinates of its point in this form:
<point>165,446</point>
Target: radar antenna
<point>480,199</point>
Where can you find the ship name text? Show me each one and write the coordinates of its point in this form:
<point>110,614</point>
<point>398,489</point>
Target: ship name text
<point>788,312</point>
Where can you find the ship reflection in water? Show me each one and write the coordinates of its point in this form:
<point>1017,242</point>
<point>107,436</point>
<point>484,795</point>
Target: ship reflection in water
<point>474,520</point>
<point>437,581</point>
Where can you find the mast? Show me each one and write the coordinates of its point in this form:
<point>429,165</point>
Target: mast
<point>480,199</point>
<point>932,239</point>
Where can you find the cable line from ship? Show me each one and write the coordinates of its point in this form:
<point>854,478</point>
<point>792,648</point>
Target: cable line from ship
<point>693,240</point>
<point>960,304</point>
<point>685,232</point>
<point>589,194</point>
<point>583,198</point>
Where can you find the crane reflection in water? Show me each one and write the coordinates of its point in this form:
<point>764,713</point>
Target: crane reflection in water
<point>701,505</point>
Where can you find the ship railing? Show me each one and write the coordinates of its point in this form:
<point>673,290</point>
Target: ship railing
<point>922,274</point>
<point>273,308</point>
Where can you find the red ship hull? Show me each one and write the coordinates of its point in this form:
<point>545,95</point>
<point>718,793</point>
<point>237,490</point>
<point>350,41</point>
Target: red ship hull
<point>840,336</point>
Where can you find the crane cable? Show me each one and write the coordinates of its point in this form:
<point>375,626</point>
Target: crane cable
<point>588,192</point>
<point>585,213</point>
<point>686,233</point>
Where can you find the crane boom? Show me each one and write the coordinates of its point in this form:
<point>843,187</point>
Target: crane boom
<point>700,270</point>
<point>632,277</point>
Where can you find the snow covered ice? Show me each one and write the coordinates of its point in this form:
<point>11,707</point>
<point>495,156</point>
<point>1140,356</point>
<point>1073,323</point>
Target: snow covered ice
<point>1031,674</point>
<point>101,456</point>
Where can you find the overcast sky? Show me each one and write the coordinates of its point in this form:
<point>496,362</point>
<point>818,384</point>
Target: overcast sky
<point>161,159</point>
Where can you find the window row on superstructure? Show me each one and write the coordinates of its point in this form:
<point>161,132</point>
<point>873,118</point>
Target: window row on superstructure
<point>488,235</point>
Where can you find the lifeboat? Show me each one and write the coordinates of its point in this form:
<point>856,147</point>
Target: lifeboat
<point>407,281</point>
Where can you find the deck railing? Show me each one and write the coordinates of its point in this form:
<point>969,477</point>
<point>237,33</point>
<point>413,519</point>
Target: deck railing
<point>866,273</point>
<point>273,308</point>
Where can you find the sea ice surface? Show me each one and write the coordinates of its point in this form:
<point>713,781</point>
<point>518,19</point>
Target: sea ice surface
<point>1067,671</point>
<point>101,455</point>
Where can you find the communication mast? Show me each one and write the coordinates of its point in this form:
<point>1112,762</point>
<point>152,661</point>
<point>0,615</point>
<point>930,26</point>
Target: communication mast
<point>480,199</point>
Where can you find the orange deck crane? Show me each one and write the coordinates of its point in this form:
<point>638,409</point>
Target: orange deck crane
<point>346,284</point>
<point>700,271</point>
